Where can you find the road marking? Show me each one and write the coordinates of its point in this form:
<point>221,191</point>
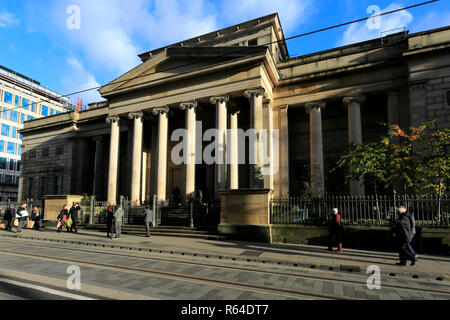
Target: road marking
<point>46,290</point>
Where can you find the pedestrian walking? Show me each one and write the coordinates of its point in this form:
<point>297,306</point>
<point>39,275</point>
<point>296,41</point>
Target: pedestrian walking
<point>118,220</point>
<point>148,216</point>
<point>401,231</point>
<point>10,214</point>
<point>336,230</point>
<point>22,215</point>
<point>62,218</point>
<point>412,221</point>
<point>109,221</point>
<point>37,218</point>
<point>73,213</point>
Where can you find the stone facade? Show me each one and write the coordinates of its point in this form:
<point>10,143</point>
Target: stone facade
<point>318,102</point>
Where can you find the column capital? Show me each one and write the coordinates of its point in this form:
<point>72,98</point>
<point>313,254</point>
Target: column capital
<point>135,115</point>
<point>315,105</point>
<point>113,119</point>
<point>189,105</point>
<point>360,99</point>
<point>219,99</point>
<point>266,103</point>
<point>282,107</point>
<point>254,92</point>
<point>160,110</point>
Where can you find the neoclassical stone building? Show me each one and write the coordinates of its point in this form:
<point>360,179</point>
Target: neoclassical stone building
<point>239,77</point>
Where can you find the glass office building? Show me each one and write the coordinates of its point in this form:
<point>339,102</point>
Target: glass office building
<point>21,99</point>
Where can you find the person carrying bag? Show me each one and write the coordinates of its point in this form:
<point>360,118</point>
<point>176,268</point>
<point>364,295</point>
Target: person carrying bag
<point>22,217</point>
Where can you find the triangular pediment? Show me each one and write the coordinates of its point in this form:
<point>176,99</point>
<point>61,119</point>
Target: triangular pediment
<point>179,61</point>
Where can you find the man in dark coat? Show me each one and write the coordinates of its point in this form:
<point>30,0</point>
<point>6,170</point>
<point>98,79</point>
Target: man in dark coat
<point>10,213</point>
<point>73,213</point>
<point>402,233</point>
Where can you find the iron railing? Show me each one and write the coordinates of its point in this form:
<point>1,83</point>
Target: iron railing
<point>361,210</point>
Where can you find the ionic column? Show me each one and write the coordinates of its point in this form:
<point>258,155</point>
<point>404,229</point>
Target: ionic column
<point>233,149</point>
<point>256,123</point>
<point>316,147</point>
<point>138,125</point>
<point>353,105</point>
<point>189,158</point>
<point>221,125</point>
<point>163,114</point>
<point>267,146</point>
<point>113,157</point>
<point>98,166</point>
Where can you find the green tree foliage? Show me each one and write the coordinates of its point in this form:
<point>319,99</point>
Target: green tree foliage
<point>418,158</point>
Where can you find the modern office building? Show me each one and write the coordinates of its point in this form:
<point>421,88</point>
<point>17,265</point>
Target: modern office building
<point>21,99</point>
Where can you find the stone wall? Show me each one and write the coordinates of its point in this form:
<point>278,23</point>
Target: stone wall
<point>361,237</point>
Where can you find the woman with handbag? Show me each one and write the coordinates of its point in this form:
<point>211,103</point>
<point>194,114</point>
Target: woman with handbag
<point>62,218</point>
<point>37,218</point>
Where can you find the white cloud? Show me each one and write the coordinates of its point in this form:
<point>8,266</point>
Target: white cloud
<point>163,22</point>
<point>432,20</point>
<point>78,79</point>
<point>103,37</point>
<point>391,23</point>
<point>7,19</point>
<point>292,12</point>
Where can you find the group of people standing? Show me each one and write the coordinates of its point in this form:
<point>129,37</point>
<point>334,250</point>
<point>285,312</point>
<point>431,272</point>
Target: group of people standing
<point>21,218</point>
<point>403,229</point>
<point>115,217</point>
<point>68,218</point>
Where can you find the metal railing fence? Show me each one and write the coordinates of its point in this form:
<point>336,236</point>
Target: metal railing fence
<point>361,210</point>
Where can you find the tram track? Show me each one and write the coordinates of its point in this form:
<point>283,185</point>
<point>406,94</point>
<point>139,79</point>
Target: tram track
<point>202,264</point>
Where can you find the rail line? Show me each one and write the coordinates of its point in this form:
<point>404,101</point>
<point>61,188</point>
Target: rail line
<point>237,268</point>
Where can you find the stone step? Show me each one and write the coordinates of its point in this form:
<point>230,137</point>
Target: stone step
<point>163,231</point>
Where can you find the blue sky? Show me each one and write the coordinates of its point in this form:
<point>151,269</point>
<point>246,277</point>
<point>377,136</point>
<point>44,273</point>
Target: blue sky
<point>35,39</point>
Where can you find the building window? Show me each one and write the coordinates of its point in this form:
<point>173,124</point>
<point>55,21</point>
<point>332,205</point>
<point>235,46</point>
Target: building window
<point>59,150</point>
<point>19,163</point>
<point>30,118</point>
<point>43,186</point>
<point>16,101</point>
<point>253,42</point>
<point>5,113</point>
<point>22,118</point>
<point>8,97</point>
<point>51,111</point>
<point>11,148</point>
<point>14,133</point>
<point>45,153</point>
<point>13,116</point>
<point>11,164</point>
<point>2,146</point>
<point>58,185</point>
<point>3,162</point>
<point>30,188</point>
<point>5,130</point>
<point>20,136</point>
<point>25,103</point>
<point>44,111</point>
<point>9,179</point>
<point>19,149</point>
<point>33,106</point>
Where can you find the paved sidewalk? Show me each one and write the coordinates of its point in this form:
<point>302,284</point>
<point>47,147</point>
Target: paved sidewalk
<point>428,267</point>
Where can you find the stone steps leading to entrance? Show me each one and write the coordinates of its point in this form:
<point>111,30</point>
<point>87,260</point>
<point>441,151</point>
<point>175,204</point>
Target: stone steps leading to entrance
<point>170,231</point>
